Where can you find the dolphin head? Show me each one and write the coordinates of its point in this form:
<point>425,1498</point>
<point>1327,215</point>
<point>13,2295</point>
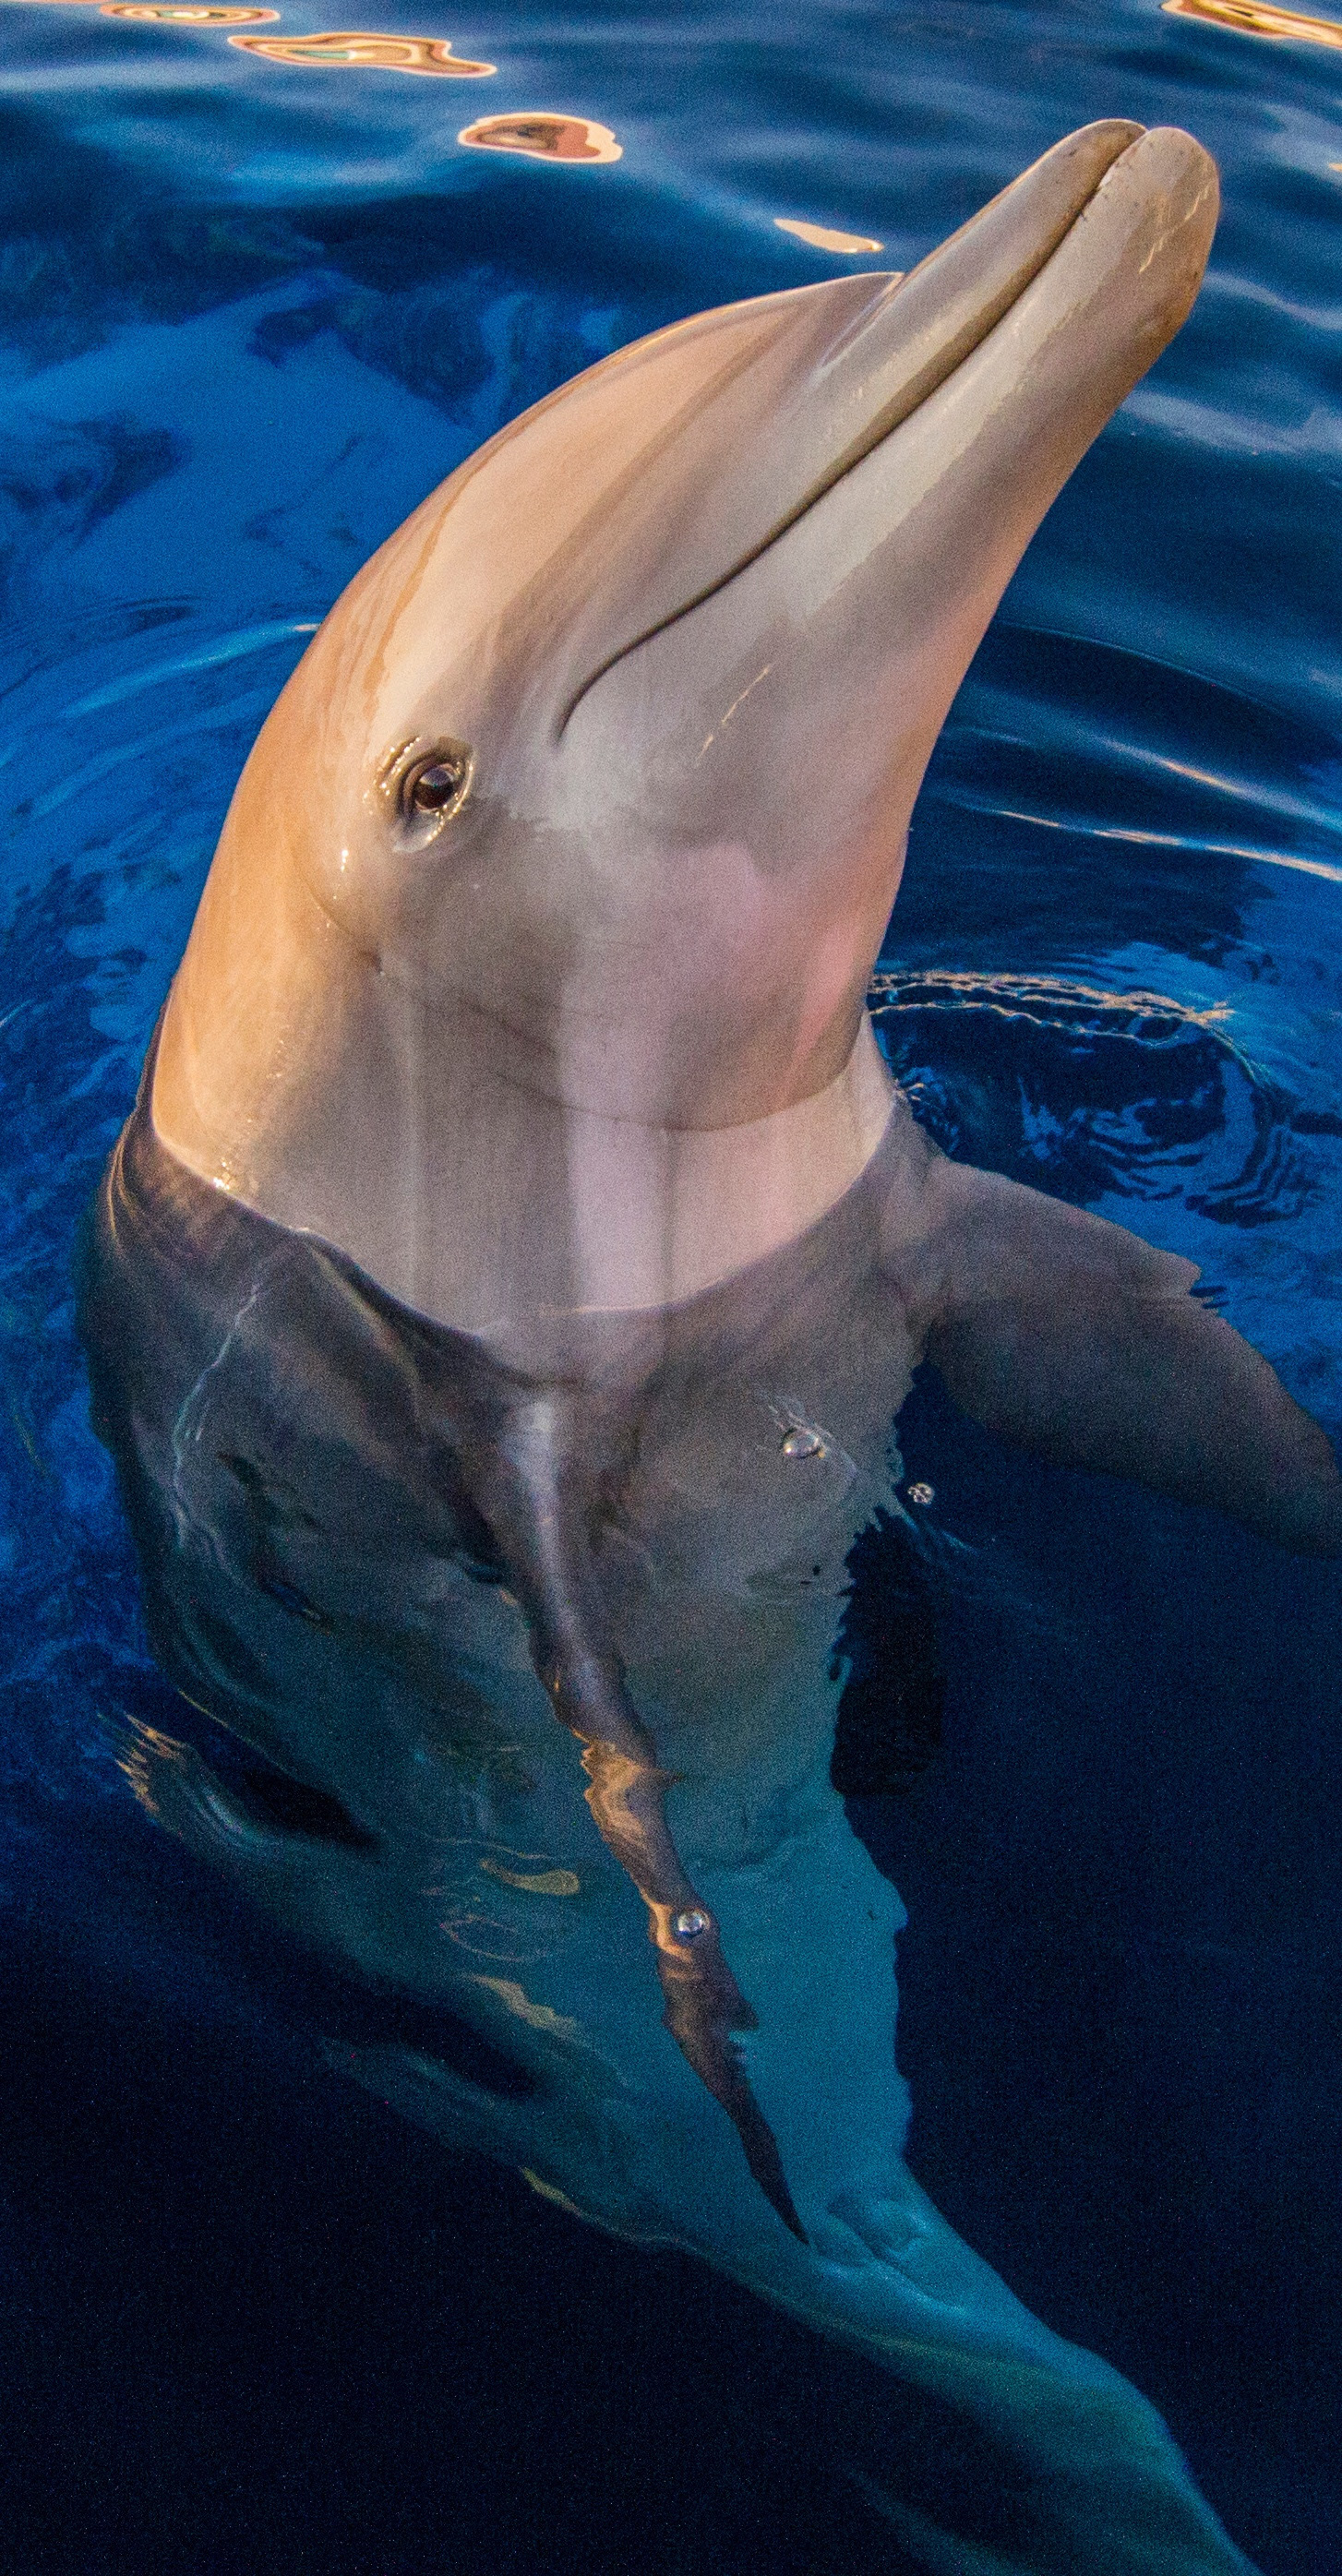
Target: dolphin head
<point>594,787</point>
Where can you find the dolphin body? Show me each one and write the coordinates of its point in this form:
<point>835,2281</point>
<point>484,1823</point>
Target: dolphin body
<point>501,1297</point>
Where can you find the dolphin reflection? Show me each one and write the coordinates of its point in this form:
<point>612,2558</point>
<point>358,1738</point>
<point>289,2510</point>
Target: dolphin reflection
<point>501,1298</point>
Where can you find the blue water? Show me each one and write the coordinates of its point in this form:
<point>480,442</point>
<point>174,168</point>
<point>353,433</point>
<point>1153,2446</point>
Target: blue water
<point>249,314</point>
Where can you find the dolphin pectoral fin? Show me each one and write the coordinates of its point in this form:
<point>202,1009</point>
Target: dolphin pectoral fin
<point>701,1997</point>
<point>538,1503</point>
<point>702,2035</point>
<point>1074,1338</point>
<point>703,2003</point>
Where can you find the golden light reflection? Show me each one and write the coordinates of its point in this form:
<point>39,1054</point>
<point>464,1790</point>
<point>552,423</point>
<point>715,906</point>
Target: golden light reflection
<point>542,137</point>
<point>430,56</point>
<point>1014,993</point>
<point>536,2016</point>
<point>1257,18</point>
<point>145,1749</point>
<point>543,1882</point>
<point>185,13</point>
<point>820,237</point>
<point>550,2191</point>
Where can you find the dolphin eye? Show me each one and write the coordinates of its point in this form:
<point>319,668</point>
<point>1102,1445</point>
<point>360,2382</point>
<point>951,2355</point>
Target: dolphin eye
<point>429,783</point>
<point>439,784</point>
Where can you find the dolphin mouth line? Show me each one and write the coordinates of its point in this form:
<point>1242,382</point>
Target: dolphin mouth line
<point>922,382</point>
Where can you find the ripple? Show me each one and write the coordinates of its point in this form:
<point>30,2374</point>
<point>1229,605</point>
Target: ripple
<point>544,137</point>
<point>431,56</point>
<point>1088,1094</point>
<point>185,13</point>
<point>1071,734</point>
<point>1255,18</point>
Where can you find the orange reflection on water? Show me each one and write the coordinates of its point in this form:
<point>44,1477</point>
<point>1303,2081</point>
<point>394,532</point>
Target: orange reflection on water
<point>821,237</point>
<point>185,13</point>
<point>542,137</point>
<point>1258,18</point>
<point>430,55</point>
<point>534,1882</point>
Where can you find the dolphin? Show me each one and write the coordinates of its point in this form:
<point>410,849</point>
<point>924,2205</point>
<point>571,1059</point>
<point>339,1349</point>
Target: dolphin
<point>500,1300</point>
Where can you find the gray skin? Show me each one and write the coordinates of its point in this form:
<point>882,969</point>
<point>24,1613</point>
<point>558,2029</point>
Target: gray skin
<point>501,1299</point>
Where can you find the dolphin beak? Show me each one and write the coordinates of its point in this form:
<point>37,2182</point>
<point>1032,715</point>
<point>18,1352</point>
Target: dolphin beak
<point>1053,300</point>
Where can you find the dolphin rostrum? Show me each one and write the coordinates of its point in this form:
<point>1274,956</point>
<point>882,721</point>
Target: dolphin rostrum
<point>501,1298</point>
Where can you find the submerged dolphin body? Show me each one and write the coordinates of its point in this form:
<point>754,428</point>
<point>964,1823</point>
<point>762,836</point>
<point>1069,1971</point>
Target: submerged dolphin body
<point>501,1298</point>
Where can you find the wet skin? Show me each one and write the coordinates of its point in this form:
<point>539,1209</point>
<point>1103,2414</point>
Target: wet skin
<point>501,1300</point>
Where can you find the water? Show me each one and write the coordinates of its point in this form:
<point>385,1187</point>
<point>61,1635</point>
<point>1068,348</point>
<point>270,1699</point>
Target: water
<point>252,312</point>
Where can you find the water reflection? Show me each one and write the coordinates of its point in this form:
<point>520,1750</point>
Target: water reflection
<point>1258,18</point>
<point>430,55</point>
<point>544,137</point>
<point>186,13</point>
<point>821,237</point>
<point>1094,1094</point>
